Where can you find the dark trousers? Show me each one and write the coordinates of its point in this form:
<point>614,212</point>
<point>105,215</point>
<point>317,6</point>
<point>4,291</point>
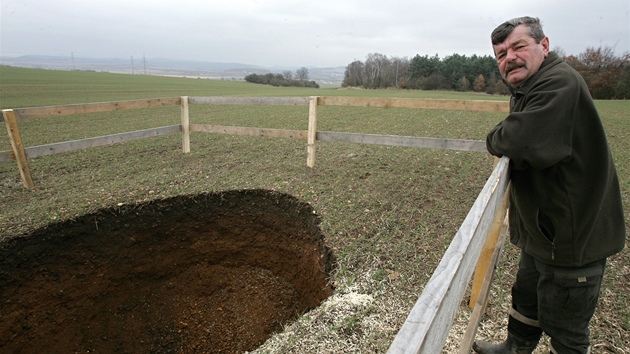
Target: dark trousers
<point>560,300</point>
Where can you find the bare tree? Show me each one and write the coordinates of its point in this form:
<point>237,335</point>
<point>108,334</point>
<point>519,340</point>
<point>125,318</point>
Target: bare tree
<point>395,72</point>
<point>374,66</point>
<point>353,75</point>
<point>301,74</point>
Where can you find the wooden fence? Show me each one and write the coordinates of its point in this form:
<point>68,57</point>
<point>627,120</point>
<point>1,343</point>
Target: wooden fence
<point>20,153</point>
<point>481,233</point>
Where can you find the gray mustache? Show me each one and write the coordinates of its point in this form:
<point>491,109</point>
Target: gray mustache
<point>512,66</point>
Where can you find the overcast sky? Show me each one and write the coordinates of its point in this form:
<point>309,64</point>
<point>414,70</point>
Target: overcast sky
<point>295,33</point>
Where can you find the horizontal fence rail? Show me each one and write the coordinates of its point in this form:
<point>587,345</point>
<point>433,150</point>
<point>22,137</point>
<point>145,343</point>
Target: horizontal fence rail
<point>410,141</point>
<point>264,101</point>
<point>449,105</point>
<point>55,111</point>
<point>248,131</point>
<point>67,146</point>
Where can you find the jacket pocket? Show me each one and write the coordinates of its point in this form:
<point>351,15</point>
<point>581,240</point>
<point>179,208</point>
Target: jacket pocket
<point>545,226</point>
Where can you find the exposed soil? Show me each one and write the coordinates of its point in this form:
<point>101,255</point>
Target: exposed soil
<point>213,273</point>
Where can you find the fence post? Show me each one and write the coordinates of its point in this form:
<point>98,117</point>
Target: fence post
<point>185,125</point>
<point>482,292</point>
<point>312,130</point>
<point>18,147</point>
<point>489,246</point>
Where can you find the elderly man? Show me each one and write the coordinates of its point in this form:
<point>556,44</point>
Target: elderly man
<point>565,203</point>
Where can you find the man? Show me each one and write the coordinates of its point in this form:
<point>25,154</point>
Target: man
<point>565,202</point>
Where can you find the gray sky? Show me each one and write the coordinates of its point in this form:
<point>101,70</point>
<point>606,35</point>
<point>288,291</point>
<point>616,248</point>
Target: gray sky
<point>296,33</point>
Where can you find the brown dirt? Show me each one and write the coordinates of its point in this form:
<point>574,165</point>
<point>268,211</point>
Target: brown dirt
<point>213,273</point>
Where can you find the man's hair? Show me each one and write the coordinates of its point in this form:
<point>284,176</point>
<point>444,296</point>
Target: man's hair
<point>503,31</point>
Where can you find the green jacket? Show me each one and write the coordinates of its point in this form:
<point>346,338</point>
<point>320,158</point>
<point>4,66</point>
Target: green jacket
<point>565,201</point>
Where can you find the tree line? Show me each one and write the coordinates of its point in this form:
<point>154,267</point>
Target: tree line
<point>287,78</point>
<point>607,75</point>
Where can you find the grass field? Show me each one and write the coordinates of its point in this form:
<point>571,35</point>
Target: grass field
<point>388,213</point>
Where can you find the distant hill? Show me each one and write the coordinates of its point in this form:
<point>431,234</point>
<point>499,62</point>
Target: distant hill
<point>165,67</point>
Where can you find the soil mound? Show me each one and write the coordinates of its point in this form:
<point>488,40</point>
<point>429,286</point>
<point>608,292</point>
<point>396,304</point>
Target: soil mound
<point>212,273</point>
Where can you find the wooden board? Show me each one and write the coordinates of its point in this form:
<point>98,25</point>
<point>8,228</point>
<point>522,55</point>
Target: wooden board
<point>488,250</point>
<point>450,105</point>
<point>15,139</point>
<point>56,148</point>
<point>6,156</point>
<point>269,101</point>
<point>484,292</point>
<point>312,132</point>
<point>431,318</point>
<point>411,141</point>
<point>50,111</point>
<point>185,117</point>
<point>249,131</point>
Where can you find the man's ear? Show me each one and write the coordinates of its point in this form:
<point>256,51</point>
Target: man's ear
<point>545,45</point>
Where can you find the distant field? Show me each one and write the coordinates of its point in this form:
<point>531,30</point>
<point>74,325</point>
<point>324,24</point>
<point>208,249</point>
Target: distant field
<point>384,210</point>
<point>22,87</point>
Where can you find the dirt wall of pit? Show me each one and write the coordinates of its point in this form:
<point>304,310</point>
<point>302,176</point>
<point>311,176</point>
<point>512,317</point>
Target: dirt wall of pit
<point>215,273</point>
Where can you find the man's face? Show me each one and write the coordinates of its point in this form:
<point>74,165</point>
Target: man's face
<point>519,56</point>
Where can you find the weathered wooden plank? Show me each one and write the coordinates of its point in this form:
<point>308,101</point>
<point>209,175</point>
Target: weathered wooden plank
<point>185,125</point>
<point>391,102</point>
<point>269,101</point>
<point>17,146</point>
<point>487,251</point>
<point>484,290</point>
<point>411,141</point>
<point>312,131</point>
<point>50,111</point>
<point>249,131</point>
<point>56,148</point>
<point>429,321</point>
<point>6,156</point>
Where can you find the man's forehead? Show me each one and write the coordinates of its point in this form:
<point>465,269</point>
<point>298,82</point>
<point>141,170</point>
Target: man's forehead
<point>520,34</point>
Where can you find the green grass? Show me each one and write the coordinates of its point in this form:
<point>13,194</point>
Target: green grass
<point>384,209</point>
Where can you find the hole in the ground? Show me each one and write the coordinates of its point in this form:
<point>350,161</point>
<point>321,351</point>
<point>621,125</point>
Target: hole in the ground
<point>206,273</point>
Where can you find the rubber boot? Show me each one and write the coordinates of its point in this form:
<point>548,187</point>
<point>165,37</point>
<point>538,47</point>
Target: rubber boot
<point>512,345</point>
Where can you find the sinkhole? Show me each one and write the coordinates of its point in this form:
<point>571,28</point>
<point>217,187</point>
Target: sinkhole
<point>214,273</point>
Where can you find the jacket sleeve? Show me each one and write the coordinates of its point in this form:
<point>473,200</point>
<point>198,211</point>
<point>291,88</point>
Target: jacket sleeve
<point>539,134</point>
